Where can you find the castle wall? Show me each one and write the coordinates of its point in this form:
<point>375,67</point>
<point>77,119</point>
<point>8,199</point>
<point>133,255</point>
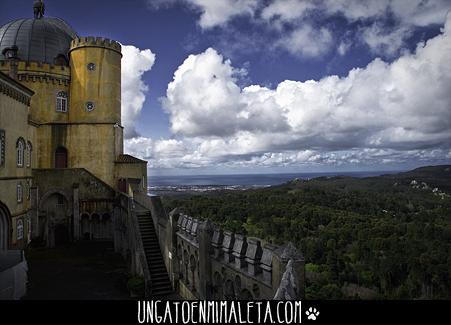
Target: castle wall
<point>46,81</point>
<point>134,171</point>
<point>74,200</point>
<point>89,146</point>
<point>14,125</point>
<point>93,138</point>
<point>206,262</point>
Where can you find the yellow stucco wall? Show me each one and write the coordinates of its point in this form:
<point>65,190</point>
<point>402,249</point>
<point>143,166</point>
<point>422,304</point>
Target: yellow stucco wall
<point>46,81</point>
<point>137,171</point>
<point>101,86</point>
<point>14,121</point>
<point>94,139</point>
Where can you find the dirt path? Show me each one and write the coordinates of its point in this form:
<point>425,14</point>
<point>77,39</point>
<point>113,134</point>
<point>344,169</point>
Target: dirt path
<point>85,271</point>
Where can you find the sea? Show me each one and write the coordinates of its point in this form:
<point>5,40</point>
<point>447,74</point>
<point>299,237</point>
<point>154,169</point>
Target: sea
<point>206,183</point>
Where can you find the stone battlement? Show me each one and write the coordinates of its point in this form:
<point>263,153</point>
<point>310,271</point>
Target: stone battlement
<point>237,267</point>
<point>37,67</point>
<point>91,41</point>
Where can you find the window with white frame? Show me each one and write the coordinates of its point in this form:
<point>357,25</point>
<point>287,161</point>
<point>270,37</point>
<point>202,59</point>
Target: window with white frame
<point>61,102</point>
<point>19,193</point>
<point>2,148</point>
<point>19,226</point>
<point>20,145</point>
<point>29,154</point>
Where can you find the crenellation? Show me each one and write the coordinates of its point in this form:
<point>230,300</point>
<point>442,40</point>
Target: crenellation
<point>91,41</point>
<point>184,222</point>
<point>227,246</point>
<point>216,242</point>
<point>239,251</point>
<point>195,224</point>
<point>253,255</point>
<point>38,68</point>
<point>216,263</point>
<point>266,262</point>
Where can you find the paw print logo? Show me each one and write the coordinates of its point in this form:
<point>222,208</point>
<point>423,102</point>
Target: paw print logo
<point>312,313</point>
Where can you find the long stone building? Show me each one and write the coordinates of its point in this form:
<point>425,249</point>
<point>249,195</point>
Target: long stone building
<point>64,176</point>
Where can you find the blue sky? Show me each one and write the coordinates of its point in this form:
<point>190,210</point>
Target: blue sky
<point>241,100</point>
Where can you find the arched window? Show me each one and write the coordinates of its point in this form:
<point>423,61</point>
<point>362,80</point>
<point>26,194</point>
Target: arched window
<point>29,155</point>
<point>61,157</point>
<point>61,102</point>
<point>20,145</point>
<point>19,193</point>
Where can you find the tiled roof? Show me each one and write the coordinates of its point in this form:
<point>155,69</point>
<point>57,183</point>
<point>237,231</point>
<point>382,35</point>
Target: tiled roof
<point>127,159</point>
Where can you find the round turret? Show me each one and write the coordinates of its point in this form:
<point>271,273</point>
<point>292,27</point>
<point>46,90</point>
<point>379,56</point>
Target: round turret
<point>96,80</point>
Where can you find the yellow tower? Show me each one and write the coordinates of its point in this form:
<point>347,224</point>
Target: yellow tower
<point>96,137</point>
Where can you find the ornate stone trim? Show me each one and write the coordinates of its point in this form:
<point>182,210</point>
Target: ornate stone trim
<point>43,78</point>
<point>16,94</point>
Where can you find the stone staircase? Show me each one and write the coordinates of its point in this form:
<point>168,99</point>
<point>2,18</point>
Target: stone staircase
<point>160,284</point>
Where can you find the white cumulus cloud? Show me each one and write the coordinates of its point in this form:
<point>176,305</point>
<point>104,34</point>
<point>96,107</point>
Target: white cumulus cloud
<point>135,63</point>
<point>383,113</point>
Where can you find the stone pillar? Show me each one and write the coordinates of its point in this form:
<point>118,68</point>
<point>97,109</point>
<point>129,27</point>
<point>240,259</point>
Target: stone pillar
<point>216,242</point>
<point>266,263</point>
<point>239,251</point>
<point>34,212</point>
<point>205,280</point>
<point>174,264</point>
<point>76,213</point>
<point>253,256</point>
<point>184,222</point>
<point>193,230</point>
<point>117,231</point>
<point>227,246</point>
<point>188,226</point>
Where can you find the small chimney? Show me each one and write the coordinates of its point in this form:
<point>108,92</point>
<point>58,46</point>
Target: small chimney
<point>10,53</point>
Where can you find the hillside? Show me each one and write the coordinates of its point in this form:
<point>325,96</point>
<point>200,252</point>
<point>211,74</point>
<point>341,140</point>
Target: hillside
<point>386,237</point>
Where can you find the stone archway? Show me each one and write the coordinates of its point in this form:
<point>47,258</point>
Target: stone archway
<point>57,223</point>
<point>5,228</point>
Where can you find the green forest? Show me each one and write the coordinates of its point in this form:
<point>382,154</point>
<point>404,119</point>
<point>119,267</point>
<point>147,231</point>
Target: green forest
<point>386,237</point>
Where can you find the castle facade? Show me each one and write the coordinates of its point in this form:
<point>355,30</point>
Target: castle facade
<point>61,138</point>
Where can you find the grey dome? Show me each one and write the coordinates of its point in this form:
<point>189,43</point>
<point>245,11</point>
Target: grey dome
<point>42,39</point>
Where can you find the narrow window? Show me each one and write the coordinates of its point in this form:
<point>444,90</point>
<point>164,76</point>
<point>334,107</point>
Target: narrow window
<point>20,145</point>
<point>61,102</point>
<point>61,157</point>
<point>2,148</point>
<point>19,193</point>
<point>19,226</point>
<point>29,154</point>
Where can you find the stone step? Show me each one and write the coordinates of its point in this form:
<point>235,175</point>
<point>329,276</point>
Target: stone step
<point>152,246</point>
<point>161,288</point>
<point>163,293</point>
<point>157,267</point>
